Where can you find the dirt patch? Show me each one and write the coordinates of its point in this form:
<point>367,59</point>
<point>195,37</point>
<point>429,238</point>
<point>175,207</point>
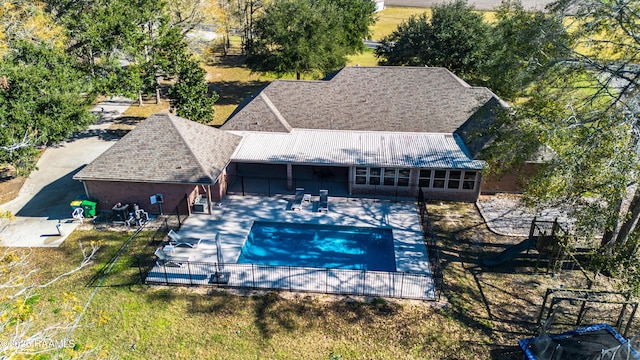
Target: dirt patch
<point>10,187</point>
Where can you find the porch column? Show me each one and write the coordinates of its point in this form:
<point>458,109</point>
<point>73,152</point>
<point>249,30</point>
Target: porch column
<point>289,177</point>
<point>209,199</point>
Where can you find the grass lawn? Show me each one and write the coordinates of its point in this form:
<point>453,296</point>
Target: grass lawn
<point>391,17</point>
<point>481,316</point>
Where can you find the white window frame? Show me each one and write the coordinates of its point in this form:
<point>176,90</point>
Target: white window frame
<point>447,178</point>
<point>385,173</point>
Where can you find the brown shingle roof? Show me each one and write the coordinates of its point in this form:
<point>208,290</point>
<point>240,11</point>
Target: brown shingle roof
<point>402,99</point>
<point>165,149</point>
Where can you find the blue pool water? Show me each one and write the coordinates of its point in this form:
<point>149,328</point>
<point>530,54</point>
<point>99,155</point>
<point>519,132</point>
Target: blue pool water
<point>322,246</point>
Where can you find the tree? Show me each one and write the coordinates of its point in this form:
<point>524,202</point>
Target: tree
<point>240,15</point>
<point>522,46</point>
<point>19,297</point>
<point>190,94</point>
<point>192,14</point>
<point>303,36</point>
<point>129,47</point>
<point>587,109</point>
<point>27,20</point>
<point>455,37</point>
<point>42,102</point>
<point>19,335</point>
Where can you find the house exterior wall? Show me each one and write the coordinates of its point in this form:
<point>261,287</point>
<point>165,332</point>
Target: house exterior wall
<point>511,182</point>
<point>108,193</point>
<point>437,184</point>
<point>219,189</point>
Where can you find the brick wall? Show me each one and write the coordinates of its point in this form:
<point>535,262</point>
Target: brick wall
<point>109,193</point>
<point>509,183</point>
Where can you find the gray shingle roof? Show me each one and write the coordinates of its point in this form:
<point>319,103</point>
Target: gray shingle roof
<point>165,149</point>
<point>401,99</point>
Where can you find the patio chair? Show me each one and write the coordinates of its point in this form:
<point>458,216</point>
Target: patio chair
<point>324,199</point>
<point>297,201</point>
<point>169,260</point>
<point>177,240</point>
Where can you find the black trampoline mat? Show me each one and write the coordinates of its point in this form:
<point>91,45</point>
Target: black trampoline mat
<point>597,342</point>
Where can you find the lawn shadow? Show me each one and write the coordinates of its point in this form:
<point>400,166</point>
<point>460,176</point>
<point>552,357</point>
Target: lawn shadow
<point>478,297</point>
<point>235,92</point>
<point>506,353</point>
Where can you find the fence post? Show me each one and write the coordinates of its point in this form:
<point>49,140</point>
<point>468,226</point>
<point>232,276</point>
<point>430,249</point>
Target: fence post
<point>402,286</point>
<point>289,277</point>
<point>140,269</point>
<point>189,268</point>
<point>253,276</point>
<point>326,281</point>
<point>166,278</point>
<point>364,281</point>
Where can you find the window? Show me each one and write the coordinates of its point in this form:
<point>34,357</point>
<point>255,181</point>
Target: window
<point>439,178</point>
<point>403,177</point>
<point>377,176</point>
<point>447,179</point>
<point>454,179</point>
<point>374,176</point>
<point>424,180</point>
<point>469,182</point>
<point>361,175</point>
<point>389,176</point>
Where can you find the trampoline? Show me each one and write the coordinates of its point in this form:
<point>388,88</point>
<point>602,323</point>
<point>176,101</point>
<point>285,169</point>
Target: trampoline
<point>595,342</point>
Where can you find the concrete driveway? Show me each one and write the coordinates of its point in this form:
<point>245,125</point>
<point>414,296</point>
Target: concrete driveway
<point>44,199</point>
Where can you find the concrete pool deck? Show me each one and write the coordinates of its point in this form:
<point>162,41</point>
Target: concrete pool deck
<point>233,219</point>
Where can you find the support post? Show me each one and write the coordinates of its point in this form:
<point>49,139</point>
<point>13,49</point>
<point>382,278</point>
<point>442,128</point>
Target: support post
<point>209,199</point>
<point>289,177</point>
<point>633,314</point>
<point>544,304</point>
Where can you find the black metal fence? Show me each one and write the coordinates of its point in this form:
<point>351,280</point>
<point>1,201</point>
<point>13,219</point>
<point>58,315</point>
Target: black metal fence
<point>320,280</point>
<point>291,278</point>
<point>432,248</point>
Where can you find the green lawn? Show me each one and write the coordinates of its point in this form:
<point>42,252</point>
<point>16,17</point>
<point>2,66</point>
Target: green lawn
<point>188,323</point>
<point>482,314</point>
<point>131,321</point>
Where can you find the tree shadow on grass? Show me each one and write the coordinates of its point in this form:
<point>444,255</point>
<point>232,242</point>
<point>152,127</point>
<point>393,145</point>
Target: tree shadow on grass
<point>231,61</point>
<point>235,92</point>
<point>273,313</point>
<point>506,353</point>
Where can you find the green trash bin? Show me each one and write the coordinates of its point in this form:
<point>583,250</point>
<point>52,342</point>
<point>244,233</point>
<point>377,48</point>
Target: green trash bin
<point>89,208</point>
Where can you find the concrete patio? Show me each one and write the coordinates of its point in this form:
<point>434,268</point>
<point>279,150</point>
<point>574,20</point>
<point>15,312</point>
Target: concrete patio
<point>233,219</point>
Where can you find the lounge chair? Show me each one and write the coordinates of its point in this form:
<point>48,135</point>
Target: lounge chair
<point>323,203</point>
<point>297,201</point>
<point>177,240</point>
<point>165,259</point>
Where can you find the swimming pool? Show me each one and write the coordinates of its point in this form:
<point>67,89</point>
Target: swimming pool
<point>322,246</point>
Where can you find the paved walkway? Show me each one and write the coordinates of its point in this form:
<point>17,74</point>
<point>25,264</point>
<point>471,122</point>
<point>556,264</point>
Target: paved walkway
<point>505,214</point>
<point>44,199</point>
